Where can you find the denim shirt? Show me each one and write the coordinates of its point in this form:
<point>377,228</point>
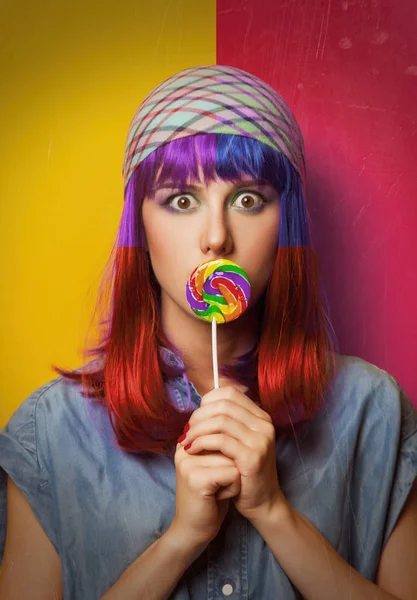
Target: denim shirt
<point>349,473</point>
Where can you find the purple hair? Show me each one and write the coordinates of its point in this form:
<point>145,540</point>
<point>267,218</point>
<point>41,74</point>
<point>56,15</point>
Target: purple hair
<point>223,156</point>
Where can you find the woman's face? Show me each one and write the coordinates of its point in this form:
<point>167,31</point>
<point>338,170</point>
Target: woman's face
<point>185,227</point>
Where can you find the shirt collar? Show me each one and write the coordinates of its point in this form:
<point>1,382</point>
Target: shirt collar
<point>181,383</point>
<point>170,358</point>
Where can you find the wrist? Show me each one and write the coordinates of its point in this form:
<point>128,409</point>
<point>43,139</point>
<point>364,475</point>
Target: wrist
<point>182,543</point>
<point>279,514</point>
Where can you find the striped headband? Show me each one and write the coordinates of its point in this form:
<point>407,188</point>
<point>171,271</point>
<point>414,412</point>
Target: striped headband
<point>213,99</point>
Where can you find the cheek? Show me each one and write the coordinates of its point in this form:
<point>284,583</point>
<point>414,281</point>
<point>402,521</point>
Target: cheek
<point>167,251</point>
<point>160,237</point>
<point>262,244</point>
<point>261,256</point>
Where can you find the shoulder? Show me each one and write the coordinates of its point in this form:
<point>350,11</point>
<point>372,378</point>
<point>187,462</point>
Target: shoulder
<point>22,425</point>
<point>354,373</point>
<point>46,432</point>
<point>363,445</point>
<point>45,425</point>
<point>379,422</point>
<point>365,420</point>
<point>47,404</point>
<point>22,458</point>
<point>363,393</point>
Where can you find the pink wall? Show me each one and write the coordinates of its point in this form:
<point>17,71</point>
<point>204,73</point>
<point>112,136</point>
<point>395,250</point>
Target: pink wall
<point>349,71</point>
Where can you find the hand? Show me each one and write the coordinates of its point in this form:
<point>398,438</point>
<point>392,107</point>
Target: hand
<point>204,485</point>
<point>231,423</point>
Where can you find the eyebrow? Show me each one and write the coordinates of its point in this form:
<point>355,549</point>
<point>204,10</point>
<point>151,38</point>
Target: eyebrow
<point>170,186</point>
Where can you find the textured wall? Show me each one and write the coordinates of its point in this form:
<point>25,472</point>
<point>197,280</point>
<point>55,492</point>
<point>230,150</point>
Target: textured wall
<point>349,71</point>
<point>72,75</point>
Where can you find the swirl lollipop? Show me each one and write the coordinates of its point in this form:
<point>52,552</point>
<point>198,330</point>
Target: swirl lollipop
<point>218,291</point>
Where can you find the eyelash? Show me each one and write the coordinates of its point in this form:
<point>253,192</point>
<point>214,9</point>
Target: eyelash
<point>178,210</point>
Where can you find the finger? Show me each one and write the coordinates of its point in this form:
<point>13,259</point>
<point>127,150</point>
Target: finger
<point>230,447</point>
<point>232,394</point>
<point>219,416</point>
<point>228,426</point>
<point>230,491</point>
<point>223,407</point>
<point>206,458</point>
<point>208,481</point>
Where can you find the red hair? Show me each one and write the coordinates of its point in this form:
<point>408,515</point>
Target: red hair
<point>293,361</point>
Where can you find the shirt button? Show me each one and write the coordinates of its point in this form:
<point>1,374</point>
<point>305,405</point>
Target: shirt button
<point>227,589</point>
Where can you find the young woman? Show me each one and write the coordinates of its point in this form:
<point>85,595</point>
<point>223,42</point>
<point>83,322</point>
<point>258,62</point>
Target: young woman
<point>295,478</point>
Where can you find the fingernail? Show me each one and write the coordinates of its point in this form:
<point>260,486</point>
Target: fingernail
<point>187,446</point>
<point>182,438</point>
<point>186,428</point>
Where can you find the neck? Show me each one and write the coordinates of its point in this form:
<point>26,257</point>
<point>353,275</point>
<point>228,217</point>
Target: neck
<point>193,337</point>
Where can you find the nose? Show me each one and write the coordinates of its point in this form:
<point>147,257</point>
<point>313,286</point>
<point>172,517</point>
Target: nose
<point>216,238</point>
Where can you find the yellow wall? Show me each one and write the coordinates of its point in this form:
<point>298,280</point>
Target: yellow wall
<point>72,75</point>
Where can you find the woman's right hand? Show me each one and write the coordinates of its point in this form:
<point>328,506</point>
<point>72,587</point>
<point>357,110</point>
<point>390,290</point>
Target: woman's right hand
<point>205,482</point>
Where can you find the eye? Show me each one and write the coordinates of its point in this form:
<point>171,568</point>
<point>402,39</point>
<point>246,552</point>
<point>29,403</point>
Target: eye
<point>250,201</point>
<point>181,202</point>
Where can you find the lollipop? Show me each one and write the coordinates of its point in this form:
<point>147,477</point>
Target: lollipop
<point>218,291</point>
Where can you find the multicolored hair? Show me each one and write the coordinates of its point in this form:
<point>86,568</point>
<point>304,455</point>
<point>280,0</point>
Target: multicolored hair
<point>291,365</point>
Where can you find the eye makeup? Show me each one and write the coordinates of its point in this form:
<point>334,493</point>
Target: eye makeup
<point>167,206</point>
<point>165,203</point>
<point>264,191</point>
<point>252,209</point>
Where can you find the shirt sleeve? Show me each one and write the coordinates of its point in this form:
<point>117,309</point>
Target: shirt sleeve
<point>19,458</point>
<point>405,470</point>
<point>383,464</point>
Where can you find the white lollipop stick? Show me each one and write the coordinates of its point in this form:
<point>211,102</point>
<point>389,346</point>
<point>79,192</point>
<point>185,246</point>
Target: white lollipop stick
<point>238,293</point>
<point>214,349</point>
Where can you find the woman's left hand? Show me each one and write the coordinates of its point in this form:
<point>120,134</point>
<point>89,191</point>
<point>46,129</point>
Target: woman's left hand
<point>228,421</point>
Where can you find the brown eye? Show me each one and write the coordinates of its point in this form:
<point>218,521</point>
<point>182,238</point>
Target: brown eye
<point>183,202</point>
<point>247,201</point>
<point>251,201</point>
